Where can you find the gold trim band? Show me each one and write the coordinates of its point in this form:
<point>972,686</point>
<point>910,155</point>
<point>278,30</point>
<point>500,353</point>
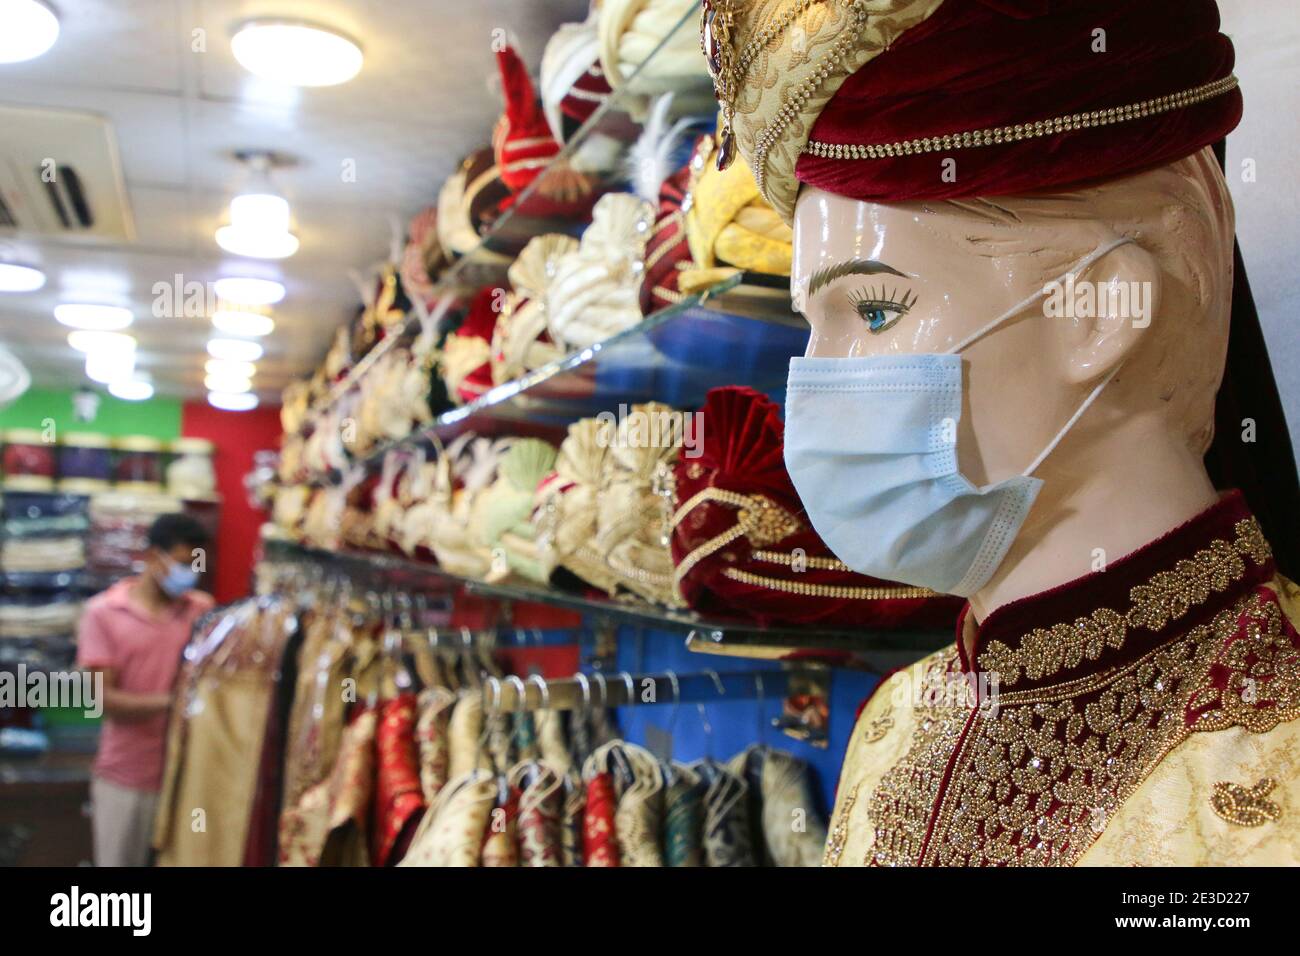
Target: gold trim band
<point>1022,131</point>
<point>808,589</point>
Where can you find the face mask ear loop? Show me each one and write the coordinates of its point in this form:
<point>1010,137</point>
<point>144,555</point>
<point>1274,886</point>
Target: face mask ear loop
<point>1020,306</point>
<point>1051,446</point>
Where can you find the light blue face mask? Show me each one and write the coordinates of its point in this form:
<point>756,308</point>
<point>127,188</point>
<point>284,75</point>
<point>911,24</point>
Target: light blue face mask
<point>178,580</point>
<point>871,445</point>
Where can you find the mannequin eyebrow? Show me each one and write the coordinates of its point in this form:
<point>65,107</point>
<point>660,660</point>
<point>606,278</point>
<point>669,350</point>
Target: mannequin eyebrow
<point>853,267</point>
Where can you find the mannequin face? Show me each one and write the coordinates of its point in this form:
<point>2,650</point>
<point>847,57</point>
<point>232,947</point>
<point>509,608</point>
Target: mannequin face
<point>927,275</point>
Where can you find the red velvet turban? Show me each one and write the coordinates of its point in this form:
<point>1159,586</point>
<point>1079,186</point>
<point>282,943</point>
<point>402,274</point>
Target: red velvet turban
<point>743,547</point>
<point>982,66</point>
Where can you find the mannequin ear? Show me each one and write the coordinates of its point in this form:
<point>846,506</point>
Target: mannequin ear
<point>1105,315</point>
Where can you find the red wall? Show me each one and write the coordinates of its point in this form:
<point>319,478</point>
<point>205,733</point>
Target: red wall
<point>236,436</point>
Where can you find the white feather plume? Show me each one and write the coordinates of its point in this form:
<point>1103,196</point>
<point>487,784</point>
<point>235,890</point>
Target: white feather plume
<point>649,161</point>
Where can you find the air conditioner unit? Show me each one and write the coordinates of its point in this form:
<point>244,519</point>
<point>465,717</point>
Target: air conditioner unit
<point>60,176</point>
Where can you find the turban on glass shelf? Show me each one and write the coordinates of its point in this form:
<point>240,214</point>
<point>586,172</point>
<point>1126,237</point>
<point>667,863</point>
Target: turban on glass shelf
<point>743,547</point>
<point>711,224</point>
<point>526,151</point>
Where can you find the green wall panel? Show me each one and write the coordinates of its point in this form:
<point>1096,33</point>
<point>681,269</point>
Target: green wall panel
<point>156,418</point>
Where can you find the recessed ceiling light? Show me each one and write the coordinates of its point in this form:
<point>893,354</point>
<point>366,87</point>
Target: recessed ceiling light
<point>227,383</point>
<point>109,367</point>
<point>98,318</point>
<point>235,350</point>
<point>248,291</point>
<point>30,28</point>
<point>84,341</point>
<point>227,367</point>
<point>130,390</point>
<point>232,401</point>
<point>15,277</point>
<point>244,322</point>
<point>296,52</point>
<point>257,245</point>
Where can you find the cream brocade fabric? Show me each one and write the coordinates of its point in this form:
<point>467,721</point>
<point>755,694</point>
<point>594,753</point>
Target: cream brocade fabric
<point>812,48</point>
<point>1164,809</point>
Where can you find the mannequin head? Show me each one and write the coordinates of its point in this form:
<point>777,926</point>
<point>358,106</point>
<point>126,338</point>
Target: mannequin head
<point>940,270</point>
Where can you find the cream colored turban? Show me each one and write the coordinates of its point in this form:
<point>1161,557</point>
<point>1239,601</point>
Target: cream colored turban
<point>629,31</point>
<point>516,342</point>
<point>595,292</point>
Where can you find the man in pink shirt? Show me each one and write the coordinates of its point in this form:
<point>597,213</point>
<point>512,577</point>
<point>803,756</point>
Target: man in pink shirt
<point>134,634</point>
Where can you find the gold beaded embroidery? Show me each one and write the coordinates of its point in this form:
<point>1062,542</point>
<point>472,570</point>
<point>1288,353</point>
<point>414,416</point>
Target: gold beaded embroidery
<point>1245,806</point>
<point>1166,597</point>
<point>846,592</point>
<point>1035,782</point>
<point>1022,131</point>
<point>758,518</point>
<point>840,831</point>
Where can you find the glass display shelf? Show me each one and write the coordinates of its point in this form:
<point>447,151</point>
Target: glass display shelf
<point>610,130</point>
<point>877,650</point>
<point>674,356</point>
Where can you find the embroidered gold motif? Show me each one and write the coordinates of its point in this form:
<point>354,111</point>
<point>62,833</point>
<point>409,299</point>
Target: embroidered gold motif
<point>1036,782</point>
<point>1165,597</point>
<point>880,726</point>
<point>840,831</point>
<point>900,807</point>
<point>1245,806</point>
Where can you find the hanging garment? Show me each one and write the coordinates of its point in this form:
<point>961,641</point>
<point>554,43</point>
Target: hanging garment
<point>726,817</point>
<point>351,792</point>
<point>573,819</point>
<point>540,789</point>
<point>683,834</point>
<point>783,815</point>
<point>216,733</point>
<point>500,841</point>
<point>599,843</point>
<point>452,832</point>
<point>398,798</point>
<point>431,736</point>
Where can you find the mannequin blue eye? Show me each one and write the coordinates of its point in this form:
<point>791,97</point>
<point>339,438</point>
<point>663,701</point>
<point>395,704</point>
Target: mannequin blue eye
<point>880,310</point>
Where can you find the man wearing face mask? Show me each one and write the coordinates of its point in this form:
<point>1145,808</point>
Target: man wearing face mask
<point>133,634</point>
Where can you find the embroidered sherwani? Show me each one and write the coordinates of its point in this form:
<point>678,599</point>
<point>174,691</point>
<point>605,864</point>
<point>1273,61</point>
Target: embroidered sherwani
<point>1144,715</point>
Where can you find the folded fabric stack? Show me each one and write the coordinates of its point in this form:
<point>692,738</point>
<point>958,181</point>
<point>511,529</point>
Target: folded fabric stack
<point>42,554</point>
<point>51,619</point>
<point>119,530</point>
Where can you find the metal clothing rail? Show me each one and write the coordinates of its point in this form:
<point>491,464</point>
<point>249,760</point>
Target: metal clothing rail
<point>581,691</point>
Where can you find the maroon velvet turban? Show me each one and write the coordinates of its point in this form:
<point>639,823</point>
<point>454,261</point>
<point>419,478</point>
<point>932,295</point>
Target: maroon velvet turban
<point>977,65</point>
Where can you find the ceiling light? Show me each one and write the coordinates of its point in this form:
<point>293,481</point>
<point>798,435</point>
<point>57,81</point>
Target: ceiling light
<point>130,390</point>
<point>232,401</point>
<point>226,367</point>
<point>227,383</point>
<point>109,367</point>
<point>296,53</point>
<point>259,216</point>
<point>98,318</point>
<point>15,277</point>
<point>84,341</point>
<point>246,291</point>
<point>30,28</point>
<point>249,323</point>
<point>254,245</point>
<point>235,350</point>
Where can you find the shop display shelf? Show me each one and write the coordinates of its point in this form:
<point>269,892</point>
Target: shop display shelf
<point>876,650</point>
